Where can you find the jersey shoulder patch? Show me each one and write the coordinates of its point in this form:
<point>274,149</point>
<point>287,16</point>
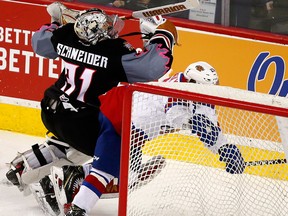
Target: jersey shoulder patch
<point>128,46</point>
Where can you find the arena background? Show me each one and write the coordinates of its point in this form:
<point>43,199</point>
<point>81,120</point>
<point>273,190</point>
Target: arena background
<point>244,59</point>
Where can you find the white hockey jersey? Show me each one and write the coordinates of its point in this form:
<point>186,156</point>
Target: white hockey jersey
<point>152,112</point>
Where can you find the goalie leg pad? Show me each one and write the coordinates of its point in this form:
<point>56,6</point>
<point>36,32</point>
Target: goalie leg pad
<point>34,164</point>
<point>76,156</point>
<point>33,175</point>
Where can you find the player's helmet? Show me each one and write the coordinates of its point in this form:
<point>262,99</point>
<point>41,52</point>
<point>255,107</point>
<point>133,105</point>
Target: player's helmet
<point>201,72</point>
<point>94,25</point>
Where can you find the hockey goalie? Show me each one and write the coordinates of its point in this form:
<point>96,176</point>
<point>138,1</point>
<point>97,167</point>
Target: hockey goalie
<point>55,191</point>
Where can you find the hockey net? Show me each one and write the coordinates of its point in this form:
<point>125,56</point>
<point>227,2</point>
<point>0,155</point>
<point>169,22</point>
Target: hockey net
<point>187,177</point>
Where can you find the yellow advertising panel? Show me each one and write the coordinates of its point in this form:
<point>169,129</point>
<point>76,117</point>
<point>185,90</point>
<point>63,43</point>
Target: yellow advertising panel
<point>241,63</point>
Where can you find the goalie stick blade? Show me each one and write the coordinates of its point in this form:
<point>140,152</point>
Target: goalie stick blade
<point>166,9</point>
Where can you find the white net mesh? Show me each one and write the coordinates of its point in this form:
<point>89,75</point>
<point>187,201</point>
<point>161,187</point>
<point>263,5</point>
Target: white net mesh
<point>187,158</point>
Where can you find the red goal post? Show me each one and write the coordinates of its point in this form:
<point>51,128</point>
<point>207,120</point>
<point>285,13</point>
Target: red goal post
<point>225,99</point>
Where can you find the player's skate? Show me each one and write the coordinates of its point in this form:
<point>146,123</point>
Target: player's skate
<point>66,181</point>
<point>148,171</point>
<point>112,190</point>
<point>76,211</point>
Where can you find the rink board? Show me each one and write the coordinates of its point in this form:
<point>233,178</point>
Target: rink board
<point>27,120</point>
<point>21,119</point>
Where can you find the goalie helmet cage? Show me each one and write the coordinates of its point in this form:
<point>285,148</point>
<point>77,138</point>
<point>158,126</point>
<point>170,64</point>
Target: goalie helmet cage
<point>191,180</point>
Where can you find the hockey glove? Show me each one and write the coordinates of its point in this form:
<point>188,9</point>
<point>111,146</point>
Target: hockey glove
<point>231,155</point>
<point>169,27</point>
<point>149,25</point>
<point>61,14</point>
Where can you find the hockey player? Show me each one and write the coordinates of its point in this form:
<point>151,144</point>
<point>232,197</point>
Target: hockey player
<point>172,114</point>
<point>201,118</point>
<point>95,60</point>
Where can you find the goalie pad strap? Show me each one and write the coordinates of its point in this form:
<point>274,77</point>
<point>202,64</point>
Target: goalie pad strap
<point>39,155</point>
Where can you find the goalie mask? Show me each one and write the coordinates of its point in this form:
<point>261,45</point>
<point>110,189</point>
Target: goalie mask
<point>201,72</point>
<point>94,25</point>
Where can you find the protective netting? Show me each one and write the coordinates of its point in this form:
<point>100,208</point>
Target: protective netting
<point>198,158</point>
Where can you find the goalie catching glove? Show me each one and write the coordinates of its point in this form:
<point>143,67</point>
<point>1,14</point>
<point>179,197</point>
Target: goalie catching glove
<point>151,25</point>
<point>61,14</point>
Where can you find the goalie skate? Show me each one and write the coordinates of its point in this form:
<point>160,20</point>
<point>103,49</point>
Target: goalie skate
<point>41,198</point>
<point>14,175</point>
<point>48,189</point>
<point>148,171</point>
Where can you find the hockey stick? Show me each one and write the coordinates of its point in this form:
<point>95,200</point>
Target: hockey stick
<point>165,9</point>
<point>265,162</point>
<point>54,10</point>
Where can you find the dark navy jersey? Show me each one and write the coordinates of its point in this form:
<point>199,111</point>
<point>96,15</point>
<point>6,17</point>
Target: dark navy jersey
<point>91,70</point>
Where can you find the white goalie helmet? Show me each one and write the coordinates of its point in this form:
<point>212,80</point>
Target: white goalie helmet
<point>94,25</point>
<point>201,72</point>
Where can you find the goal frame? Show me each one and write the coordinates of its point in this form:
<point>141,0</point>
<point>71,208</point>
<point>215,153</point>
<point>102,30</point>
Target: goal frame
<point>169,92</point>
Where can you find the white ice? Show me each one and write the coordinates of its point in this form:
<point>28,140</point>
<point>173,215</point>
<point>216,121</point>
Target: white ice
<point>12,201</point>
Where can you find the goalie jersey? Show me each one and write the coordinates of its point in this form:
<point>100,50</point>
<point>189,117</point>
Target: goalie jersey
<point>92,70</point>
